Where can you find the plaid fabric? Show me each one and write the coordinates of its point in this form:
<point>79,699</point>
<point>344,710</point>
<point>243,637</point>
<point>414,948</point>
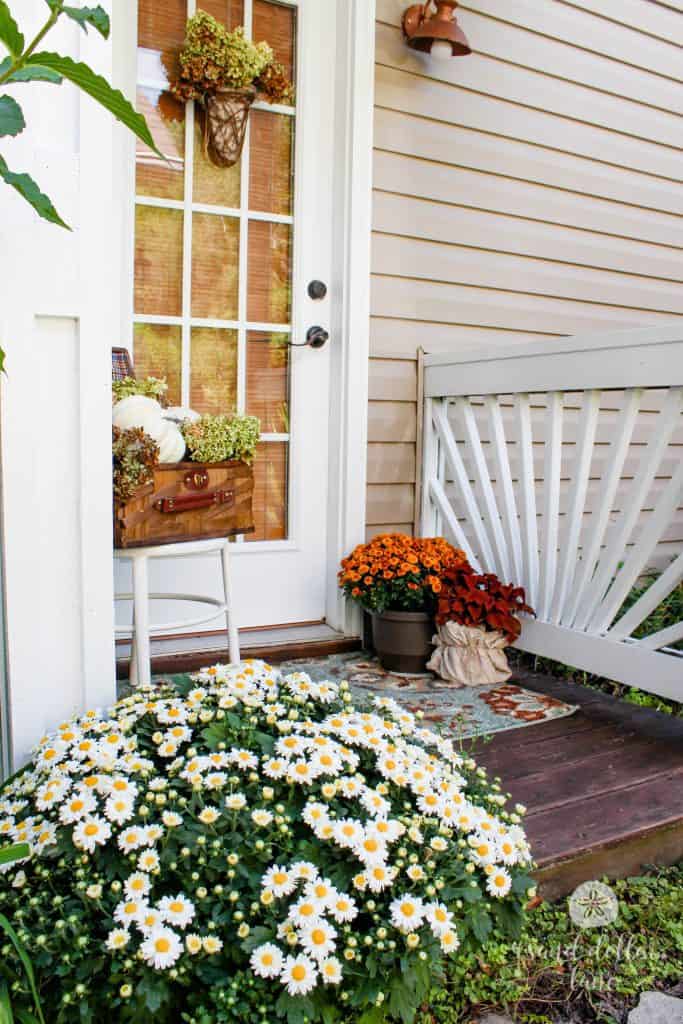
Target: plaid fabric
<point>121,364</point>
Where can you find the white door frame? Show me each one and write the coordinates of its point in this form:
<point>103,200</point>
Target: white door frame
<point>351,183</point>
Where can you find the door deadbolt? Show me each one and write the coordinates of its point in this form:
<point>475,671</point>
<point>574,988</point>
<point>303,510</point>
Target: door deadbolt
<point>317,290</point>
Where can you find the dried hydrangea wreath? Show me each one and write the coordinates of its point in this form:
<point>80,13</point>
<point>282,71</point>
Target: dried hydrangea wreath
<point>245,847</point>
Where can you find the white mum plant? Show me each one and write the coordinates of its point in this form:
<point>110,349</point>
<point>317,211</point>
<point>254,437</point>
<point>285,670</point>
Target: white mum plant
<point>248,847</point>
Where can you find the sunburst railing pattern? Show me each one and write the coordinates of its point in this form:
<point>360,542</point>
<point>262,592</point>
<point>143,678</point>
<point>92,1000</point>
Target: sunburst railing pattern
<point>561,469</point>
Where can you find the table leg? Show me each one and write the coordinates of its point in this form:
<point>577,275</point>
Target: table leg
<point>233,639</point>
<point>141,644</point>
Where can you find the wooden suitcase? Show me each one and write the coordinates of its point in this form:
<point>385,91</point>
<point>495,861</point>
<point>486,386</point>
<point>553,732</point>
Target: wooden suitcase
<point>187,501</point>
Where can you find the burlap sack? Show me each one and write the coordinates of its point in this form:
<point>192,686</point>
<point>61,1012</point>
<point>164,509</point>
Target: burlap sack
<point>468,656</point>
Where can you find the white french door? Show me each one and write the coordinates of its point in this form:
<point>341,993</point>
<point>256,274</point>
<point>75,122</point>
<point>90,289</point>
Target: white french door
<point>223,260</point>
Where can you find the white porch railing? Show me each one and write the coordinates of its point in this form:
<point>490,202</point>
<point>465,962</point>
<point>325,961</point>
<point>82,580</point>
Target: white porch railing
<point>560,467</point>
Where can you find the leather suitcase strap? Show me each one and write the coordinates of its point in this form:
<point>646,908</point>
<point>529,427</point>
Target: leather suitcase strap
<point>189,502</point>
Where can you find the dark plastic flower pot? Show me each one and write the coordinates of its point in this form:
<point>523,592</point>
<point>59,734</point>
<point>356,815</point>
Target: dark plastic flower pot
<point>403,640</point>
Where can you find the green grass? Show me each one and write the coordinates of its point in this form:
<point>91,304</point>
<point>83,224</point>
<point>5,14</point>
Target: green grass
<point>559,972</point>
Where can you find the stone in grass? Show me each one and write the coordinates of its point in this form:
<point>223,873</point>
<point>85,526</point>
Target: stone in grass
<point>657,1008</point>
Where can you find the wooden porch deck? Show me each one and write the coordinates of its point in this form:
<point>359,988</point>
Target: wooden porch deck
<point>603,788</point>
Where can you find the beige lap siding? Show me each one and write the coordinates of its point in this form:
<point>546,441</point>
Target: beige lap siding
<point>529,191</point>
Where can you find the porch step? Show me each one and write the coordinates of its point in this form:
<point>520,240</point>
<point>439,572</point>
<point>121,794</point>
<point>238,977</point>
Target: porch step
<point>604,788</point>
<point>279,643</point>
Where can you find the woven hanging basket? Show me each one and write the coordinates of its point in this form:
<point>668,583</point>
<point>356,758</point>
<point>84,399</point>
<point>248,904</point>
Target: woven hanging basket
<point>225,124</point>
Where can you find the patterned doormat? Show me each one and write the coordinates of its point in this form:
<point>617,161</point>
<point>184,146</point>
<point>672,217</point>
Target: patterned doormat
<point>461,711</point>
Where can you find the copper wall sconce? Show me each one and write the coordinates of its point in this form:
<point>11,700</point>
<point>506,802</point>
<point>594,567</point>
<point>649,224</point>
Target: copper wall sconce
<point>432,28</point>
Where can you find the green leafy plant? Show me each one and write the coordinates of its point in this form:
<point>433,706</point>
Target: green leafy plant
<point>244,846</point>
<point>134,454</point>
<point>151,387</point>
<point>26,63</point>
<point>221,438</point>
<point>11,855</point>
<point>214,58</point>
<point>557,972</point>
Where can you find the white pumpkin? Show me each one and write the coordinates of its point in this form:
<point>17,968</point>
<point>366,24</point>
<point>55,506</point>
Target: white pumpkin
<point>180,413</point>
<point>171,443</point>
<point>138,411</point>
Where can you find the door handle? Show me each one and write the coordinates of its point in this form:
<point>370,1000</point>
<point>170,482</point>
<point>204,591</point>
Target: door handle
<point>316,337</point>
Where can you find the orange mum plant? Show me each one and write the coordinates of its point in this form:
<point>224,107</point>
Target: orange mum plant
<point>482,601</point>
<point>395,572</point>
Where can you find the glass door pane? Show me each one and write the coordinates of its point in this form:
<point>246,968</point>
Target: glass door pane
<point>213,247</point>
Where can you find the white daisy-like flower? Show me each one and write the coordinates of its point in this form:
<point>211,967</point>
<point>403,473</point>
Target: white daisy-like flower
<point>327,692</point>
<point>507,850</point>
<point>380,877</point>
<point>209,815</point>
<point>152,834</point>
<point>429,803</point>
<point>299,975</point>
<point>439,917</point>
<point>482,850</point>
<point>348,832</point>
<point>291,746</point>
<point>193,944</point>
<point>177,910</point>
<point>319,939</point>
<point>128,911</point>
<point>79,804</point>
<point>137,885</point>
<point>407,913</point>
<point>304,871</point>
<point>321,889</point>
<point>236,802</point>
<point>91,832</point>
<point>275,767</point>
<point>171,819</point>
<point>178,734</point>
<point>449,941</point>
<point>167,749</point>
<point>371,850</point>
<point>302,772</point>
<point>119,809</point>
<point>279,880</point>
<point>216,780</point>
<point>118,938</point>
<point>244,760</point>
<point>148,919</point>
<point>331,971</point>
<point>415,873</point>
<point>266,961</point>
<point>161,948</point>
<point>499,882</point>
<point>261,818</point>
<point>148,861</point>
<point>172,714</point>
<point>131,839</point>
<point>306,911</point>
<point>211,944</point>
<point>121,786</point>
<point>315,814</point>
